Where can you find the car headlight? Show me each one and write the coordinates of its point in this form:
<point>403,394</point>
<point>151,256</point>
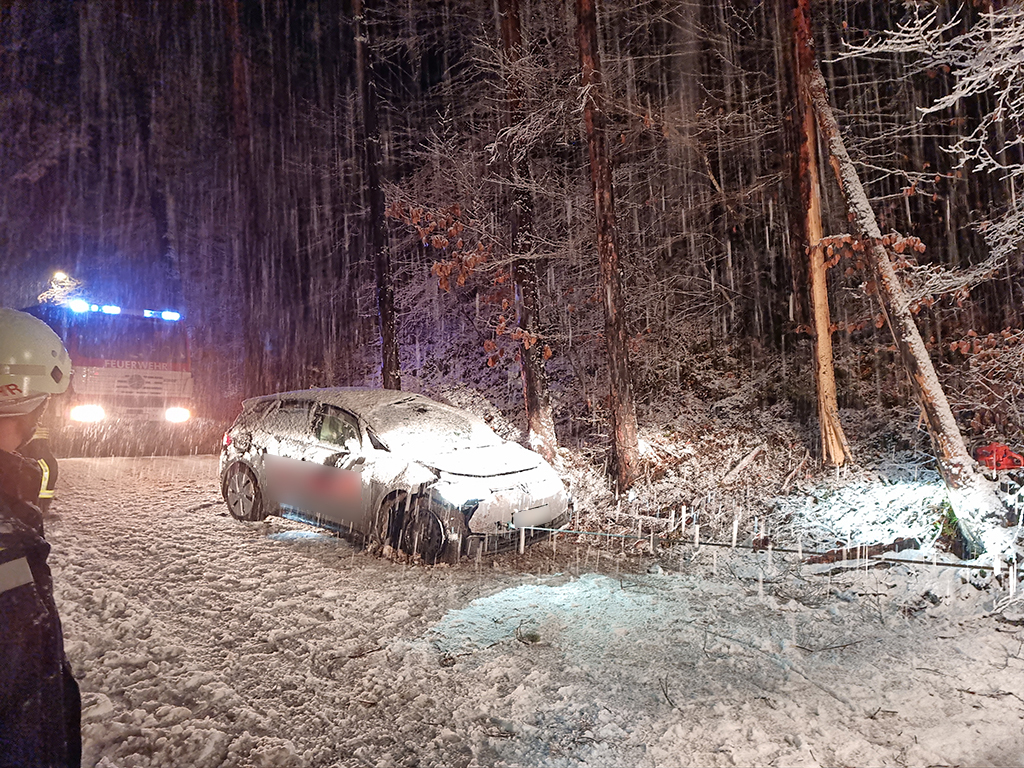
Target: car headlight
<point>464,496</point>
<point>177,415</point>
<point>88,414</point>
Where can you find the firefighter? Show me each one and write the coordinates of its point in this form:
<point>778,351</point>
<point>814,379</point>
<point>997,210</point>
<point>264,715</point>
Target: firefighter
<point>40,708</point>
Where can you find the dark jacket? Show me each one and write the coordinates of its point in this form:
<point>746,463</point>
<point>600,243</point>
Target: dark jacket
<point>40,710</point>
<point>38,448</point>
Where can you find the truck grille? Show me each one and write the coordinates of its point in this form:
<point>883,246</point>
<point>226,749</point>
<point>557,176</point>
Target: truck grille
<point>140,384</point>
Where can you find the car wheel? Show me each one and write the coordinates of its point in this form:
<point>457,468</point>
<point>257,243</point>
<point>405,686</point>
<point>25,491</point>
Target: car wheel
<point>242,493</point>
<point>387,523</point>
<point>424,534</point>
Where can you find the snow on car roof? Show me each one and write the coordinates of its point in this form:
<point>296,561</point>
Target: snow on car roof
<point>401,418</point>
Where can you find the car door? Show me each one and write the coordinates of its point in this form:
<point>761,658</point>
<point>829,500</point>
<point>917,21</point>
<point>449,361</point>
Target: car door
<point>335,460</point>
<point>284,434</point>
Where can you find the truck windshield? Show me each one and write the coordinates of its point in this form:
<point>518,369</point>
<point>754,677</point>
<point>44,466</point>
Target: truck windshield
<point>112,337</point>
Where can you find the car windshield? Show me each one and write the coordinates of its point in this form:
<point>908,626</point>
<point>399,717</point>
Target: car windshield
<point>419,425</point>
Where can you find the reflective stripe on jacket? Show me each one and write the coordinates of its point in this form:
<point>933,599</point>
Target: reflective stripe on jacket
<point>45,490</point>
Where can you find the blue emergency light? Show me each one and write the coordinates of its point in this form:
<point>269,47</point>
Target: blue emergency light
<point>81,305</point>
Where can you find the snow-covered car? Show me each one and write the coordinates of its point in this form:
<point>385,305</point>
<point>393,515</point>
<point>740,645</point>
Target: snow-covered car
<point>397,468</point>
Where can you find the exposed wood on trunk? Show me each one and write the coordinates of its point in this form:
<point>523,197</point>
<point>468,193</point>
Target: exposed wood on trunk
<point>974,498</point>
<point>835,449</point>
<point>627,451</point>
<point>540,421</point>
<point>376,233</point>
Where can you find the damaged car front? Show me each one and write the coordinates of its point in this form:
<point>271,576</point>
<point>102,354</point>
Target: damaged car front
<point>485,490</point>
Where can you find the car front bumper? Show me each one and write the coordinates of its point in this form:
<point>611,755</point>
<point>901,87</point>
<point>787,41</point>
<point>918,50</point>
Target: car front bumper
<point>492,543</point>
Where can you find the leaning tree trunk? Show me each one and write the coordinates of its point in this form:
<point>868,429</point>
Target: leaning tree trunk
<point>377,236</point>
<point>627,451</point>
<point>974,498</point>
<point>539,417</point>
<point>835,449</point>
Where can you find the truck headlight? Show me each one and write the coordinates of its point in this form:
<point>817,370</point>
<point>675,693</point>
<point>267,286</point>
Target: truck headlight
<point>177,415</point>
<point>88,414</point>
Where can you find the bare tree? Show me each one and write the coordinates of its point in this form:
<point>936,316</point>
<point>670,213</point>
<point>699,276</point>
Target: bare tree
<point>627,451</point>
<point>986,60</point>
<point>835,448</point>
<point>377,234</point>
<point>540,421</point>
<point>246,214</point>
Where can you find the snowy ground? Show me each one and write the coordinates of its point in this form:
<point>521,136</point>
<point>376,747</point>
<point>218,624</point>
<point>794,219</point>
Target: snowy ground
<point>200,641</point>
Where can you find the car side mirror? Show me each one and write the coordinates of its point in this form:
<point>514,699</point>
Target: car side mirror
<point>338,459</point>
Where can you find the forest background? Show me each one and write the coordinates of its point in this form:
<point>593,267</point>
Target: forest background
<point>215,152</point>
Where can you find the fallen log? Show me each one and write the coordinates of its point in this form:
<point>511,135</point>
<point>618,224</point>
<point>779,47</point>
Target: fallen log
<point>745,462</point>
<point>792,475</point>
<point>858,553</point>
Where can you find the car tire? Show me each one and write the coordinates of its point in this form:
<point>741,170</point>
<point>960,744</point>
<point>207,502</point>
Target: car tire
<point>415,531</point>
<point>242,494</point>
<point>424,534</point>
<point>388,521</point>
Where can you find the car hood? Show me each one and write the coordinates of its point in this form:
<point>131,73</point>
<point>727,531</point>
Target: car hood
<point>484,461</point>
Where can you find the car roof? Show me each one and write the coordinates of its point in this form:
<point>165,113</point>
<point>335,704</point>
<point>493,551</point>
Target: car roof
<point>401,418</point>
<point>362,401</point>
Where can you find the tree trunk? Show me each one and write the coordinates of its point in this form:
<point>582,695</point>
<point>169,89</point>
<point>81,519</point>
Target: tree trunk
<point>979,511</point>
<point>141,74</point>
<point>540,421</point>
<point>790,108</point>
<point>627,451</point>
<point>246,210</point>
<point>835,449</point>
<point>377,235</point>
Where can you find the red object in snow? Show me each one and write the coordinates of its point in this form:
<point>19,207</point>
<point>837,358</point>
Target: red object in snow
<point>998,456</point>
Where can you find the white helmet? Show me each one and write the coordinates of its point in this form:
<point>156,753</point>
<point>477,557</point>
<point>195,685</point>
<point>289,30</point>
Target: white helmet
<point>33,363</point>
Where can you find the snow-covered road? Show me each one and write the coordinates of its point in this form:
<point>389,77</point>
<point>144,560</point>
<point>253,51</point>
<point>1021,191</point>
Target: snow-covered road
<point>200,641</point>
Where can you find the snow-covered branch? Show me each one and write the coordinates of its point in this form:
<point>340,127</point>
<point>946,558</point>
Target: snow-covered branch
<point>986,61</point>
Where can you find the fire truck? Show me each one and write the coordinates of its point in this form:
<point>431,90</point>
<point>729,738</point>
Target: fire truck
<point>131,367</point>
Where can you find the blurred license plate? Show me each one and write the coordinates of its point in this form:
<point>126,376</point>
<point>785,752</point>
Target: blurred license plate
<point>527,518</point>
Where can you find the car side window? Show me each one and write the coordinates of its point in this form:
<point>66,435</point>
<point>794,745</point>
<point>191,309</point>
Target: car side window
<point>291,419</point>
<point>338,428</point>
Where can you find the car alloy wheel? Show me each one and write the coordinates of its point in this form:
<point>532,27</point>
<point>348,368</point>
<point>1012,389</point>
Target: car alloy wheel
<point>242,494</point>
